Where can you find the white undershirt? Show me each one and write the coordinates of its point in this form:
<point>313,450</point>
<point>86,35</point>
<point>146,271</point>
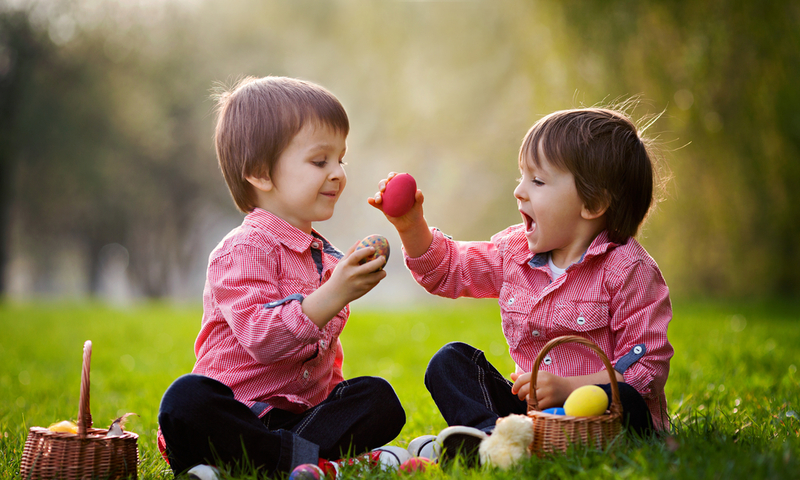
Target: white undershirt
<point>557,272</point>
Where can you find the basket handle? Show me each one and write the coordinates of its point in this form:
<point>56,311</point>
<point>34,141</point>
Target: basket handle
<point>84,413</point>
<point>533,402</point>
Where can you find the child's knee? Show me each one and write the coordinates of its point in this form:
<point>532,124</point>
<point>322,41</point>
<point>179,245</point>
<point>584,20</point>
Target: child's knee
<point>187,393</point>
<point>384,391</point>
<point>450,357</point>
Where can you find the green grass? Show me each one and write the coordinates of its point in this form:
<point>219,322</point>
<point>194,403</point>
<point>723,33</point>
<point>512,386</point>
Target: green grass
<point>733,387</point>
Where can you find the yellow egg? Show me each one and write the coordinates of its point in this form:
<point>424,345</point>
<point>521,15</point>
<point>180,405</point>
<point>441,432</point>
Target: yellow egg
<point>586,401</point>
<point>63,427</point>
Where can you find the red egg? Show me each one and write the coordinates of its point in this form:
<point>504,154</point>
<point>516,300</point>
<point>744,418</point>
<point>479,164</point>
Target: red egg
<point>398,198</point>
<point>415,464</point>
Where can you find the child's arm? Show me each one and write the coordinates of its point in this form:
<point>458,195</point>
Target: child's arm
<point>441,265</point>
<point>552,390</point>
<point>412,227</point>
<point>349,281</point>
<point>269,321</point>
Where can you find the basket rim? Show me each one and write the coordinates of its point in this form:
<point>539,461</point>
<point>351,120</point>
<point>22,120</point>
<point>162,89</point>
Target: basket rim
<point>91,434</point>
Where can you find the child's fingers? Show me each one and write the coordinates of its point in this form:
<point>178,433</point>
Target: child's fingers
<point>523,391</point>
<point>376,264</point>
<point>356,255</point>
<point>520,380</point>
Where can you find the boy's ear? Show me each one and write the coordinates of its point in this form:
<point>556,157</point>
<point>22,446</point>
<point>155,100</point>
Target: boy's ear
<point>260,183</point>
<point>591,214</point>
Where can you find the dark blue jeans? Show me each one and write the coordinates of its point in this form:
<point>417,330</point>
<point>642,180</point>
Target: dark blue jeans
<point>203,423</point>
<point>469,391</point>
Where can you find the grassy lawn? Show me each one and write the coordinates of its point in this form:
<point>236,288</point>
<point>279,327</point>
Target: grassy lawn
<point>733,387</point>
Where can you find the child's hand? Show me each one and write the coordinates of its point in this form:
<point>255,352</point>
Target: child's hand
<point>412,227</point>
<point>551,390</point>
<point>354,280</point>
<point>348,281</point>
<point>403,222</point>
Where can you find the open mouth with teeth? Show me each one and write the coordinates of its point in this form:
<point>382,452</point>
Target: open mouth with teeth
<point>530,225</point>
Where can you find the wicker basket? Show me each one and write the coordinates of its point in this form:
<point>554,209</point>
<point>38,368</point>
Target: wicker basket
<point>554,433</point>
<point>88,454</point>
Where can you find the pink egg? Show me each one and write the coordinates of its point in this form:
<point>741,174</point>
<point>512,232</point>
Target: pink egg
<point>398,198</point>
<point>381,247</point>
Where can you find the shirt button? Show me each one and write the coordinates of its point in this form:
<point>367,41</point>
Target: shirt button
<point>511,301</point>
<point>315,245</point>
<point>306,374</point>
<point>580,320</point>
<point>547,360</point>
<point>637,350</point>
<point>535,333</point>
<point>323,344</point>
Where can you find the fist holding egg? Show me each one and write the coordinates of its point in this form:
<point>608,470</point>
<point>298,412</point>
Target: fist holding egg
<point>399,195</point>
<point>379,243</point>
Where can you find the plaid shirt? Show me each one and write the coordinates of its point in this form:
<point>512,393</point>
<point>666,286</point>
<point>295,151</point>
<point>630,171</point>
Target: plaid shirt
<point>615,296</point>
<point>254,336</point>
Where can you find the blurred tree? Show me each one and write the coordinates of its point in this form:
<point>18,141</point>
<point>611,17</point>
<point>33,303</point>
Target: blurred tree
<point>21,49</point>
<point>108,150</point>
<point>728,70</point>
<point>106,130</point>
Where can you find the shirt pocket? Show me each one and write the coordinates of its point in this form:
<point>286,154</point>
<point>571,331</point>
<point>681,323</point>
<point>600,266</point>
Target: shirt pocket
<point>516,306</point>
<point>579,317</point>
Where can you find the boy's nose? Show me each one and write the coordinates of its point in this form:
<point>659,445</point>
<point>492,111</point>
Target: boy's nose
<point>518,192</point>
<point>337,172</point>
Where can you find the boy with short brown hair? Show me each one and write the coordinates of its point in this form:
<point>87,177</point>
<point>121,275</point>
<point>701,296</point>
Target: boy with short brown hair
<point>268,385</point>
<point>572,267</point>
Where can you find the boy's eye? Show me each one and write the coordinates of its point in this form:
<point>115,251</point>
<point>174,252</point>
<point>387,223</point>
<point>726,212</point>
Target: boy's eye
<point>319,163</point>
<point>537,182</point>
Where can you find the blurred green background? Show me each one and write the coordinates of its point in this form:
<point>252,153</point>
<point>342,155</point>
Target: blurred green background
<point>110,187</point>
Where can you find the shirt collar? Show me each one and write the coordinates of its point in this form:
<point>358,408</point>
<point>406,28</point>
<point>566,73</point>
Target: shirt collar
<point>283,231</point>
<point>600,245</point>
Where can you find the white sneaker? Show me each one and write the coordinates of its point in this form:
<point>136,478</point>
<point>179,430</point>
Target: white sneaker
<point>390,457</point>
<point>460,441</point>
<point>425,447</point>
<point>203,472</point>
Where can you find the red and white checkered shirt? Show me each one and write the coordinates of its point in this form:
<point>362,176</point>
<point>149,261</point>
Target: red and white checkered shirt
<point>254,336</point>
<point>615,296</point>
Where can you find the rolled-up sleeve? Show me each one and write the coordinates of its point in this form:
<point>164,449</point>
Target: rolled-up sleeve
<point>458,269</point>
<point>640,314</point>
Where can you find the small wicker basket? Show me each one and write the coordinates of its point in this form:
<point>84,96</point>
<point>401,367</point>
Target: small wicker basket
<point>554,433</point>
<point>85,455</point>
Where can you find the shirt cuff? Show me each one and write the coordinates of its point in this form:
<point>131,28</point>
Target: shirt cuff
<point>302,328</point>
<point>630,358</point>
<point>433,256</point>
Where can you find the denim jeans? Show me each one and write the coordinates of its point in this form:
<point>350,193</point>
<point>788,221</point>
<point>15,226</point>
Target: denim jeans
<point>469,391</point>
<point>202,422</point>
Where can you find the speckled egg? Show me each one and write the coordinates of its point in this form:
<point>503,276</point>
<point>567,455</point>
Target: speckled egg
<point>380,244</point>
<point>306,471</point>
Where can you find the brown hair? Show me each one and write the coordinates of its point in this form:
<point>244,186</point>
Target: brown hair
<point>256,121</point>
<point>612,164</point>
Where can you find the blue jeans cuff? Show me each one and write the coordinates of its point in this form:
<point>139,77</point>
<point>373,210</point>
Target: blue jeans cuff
<point>296,451</point>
